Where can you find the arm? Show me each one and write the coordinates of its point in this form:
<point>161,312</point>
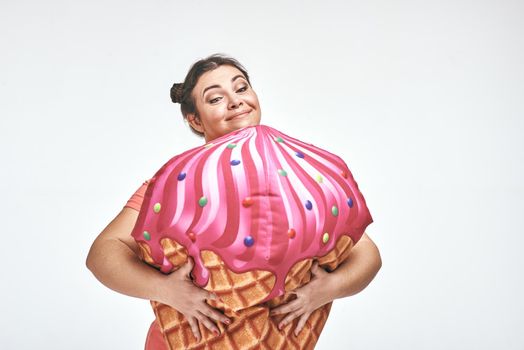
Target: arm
<point>114,261</point>
<point>351,277</point>
<point>355,273</point>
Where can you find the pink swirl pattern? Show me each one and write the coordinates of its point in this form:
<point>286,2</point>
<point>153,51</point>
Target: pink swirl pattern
<point>258,198</point>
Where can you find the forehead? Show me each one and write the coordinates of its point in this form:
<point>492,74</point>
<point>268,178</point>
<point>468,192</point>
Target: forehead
<point>219,76</point>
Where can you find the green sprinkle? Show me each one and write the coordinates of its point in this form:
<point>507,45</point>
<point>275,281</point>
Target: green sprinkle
<point>279,139</point>
<point>334,210</point>
<point>202,201</point>
<point>147,236</point>
<point>325,238</point>
<point>282,172</point>
<point>156,207</point>
<point>231,145</point>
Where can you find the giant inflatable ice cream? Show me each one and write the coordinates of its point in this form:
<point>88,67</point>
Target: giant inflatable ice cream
<point>253,208</point>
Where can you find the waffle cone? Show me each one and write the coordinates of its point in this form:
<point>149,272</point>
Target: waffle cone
<point>241,296</point>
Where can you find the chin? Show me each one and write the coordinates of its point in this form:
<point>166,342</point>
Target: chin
<point>248,121</point>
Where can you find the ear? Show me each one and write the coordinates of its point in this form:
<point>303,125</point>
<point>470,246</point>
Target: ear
<point>195,122</point>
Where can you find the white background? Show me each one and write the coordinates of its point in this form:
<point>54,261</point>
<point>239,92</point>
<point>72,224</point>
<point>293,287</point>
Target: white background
<point>423,99</point>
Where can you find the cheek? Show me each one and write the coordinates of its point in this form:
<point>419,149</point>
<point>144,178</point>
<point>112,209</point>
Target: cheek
<point>253,100</point>
<point>212,110</point>
<point>218,112</point>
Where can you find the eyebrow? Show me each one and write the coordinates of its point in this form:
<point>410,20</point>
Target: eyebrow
<point>217,86</point>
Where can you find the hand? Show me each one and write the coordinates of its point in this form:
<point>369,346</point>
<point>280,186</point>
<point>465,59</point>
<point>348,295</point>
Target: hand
<point>309,298</point>
<point>180,293</point>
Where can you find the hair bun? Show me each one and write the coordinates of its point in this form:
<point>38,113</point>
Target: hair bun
<point>176,92</point>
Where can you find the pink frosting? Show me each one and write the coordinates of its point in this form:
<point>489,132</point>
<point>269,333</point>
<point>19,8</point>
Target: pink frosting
<point>251,205</point>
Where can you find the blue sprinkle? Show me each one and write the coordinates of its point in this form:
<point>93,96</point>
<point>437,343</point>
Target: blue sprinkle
<point>309,205</point>
<point>181,176</point>
<point>299,154</point>
<point>350,202</point>
<point>235,162</point>
<point>249,241</point>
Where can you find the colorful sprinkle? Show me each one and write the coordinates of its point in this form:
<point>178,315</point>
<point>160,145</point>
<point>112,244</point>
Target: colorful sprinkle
<point>202,201</point>
<point>231,145</point>
<point>181,176</point>
<point>325,238</point>
<point>249,241</point>
<point>299,154</point>
<point>291,233</point>
<point>235,162</point>
<point>279,139</point>
<point>309,205</point>
<point>344,174</point>
<point>156,207</point>
<point>350,202</point>
<point>147,236</point>
<point>208,145</point>
<point>247,202</point>
<point>334,210</point>
<point>192,236</point>
<point>282,172</point>
<point>319,178</point>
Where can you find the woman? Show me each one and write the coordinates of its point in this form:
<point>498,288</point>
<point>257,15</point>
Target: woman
<point>216,98</point>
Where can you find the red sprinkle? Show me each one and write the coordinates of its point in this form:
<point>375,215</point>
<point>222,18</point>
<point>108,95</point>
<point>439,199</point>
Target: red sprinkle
<point>247,202</point>
<point>291,233</point>
<point>192,236</point>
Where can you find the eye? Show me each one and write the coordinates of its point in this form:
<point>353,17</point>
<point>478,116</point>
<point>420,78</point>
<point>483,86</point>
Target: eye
<point>215,100</point>
<point>242,89</point>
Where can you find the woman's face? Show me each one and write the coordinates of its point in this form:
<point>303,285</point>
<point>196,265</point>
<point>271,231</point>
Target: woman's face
<point>225,102</point>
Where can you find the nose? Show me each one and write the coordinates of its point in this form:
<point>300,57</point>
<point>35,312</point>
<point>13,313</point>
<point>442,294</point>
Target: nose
<point>235,102</point>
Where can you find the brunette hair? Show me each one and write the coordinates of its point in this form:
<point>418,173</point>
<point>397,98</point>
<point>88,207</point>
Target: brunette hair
<point>181,92</point>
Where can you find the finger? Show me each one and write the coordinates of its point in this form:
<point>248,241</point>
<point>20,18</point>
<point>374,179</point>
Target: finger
<point>187,267</point>
<point>284,309</point>
<point>208,324</point>
<point>315,269</point>
<point>301,323</point>
<point>193,323</point>
<point>209,296</point>
<point>288,319</point>
<point>215,315</point>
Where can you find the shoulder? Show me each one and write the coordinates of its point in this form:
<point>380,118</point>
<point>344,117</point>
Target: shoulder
<point>136,199</point>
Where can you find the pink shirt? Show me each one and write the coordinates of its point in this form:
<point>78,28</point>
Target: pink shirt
<point>135,202</point>
<point>154,340</point>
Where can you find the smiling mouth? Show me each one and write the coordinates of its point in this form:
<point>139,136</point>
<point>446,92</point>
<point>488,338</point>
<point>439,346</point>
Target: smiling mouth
<point>239,115</point>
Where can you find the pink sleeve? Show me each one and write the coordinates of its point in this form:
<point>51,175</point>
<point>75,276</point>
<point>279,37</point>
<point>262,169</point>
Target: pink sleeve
<point>135,202</point>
